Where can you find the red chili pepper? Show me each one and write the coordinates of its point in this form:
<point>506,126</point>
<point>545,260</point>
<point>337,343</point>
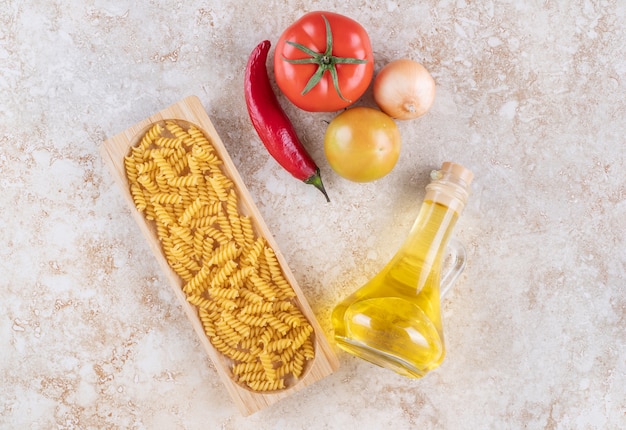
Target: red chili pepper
<point>272,124</point>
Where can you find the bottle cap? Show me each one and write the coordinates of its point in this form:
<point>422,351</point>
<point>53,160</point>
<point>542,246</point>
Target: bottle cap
<point>450,186</point>
<point>457,170</point>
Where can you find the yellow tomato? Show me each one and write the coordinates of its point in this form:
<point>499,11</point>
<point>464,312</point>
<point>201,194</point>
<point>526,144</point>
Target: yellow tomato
<point>362,144</point>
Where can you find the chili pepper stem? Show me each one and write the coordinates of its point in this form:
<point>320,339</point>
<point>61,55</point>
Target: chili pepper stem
<point>316,180</point>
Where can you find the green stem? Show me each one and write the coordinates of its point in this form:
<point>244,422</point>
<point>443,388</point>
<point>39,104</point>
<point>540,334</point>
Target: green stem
<point>325,61</point>
<point>316,180</point>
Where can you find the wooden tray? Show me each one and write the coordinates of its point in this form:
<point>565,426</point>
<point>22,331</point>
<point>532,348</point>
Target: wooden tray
<point>113,151</point>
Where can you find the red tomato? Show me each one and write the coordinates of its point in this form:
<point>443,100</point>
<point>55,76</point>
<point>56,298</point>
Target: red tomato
<point>323,62</point>
<point>362,144</point>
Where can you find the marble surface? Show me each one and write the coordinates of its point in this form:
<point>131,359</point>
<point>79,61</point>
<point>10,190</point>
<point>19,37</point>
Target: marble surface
<point>531,97</point>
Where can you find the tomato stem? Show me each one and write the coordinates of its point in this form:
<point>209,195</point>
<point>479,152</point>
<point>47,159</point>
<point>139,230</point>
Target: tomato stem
<point>326,62</point>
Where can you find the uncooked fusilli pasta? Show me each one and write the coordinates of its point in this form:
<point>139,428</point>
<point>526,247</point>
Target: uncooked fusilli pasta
<point>230,274</point>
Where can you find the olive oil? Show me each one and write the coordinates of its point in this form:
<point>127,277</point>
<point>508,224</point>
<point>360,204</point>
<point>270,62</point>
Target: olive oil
<point>394,320</point>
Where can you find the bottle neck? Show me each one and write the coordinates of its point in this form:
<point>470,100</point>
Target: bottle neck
<point>445,199</point>
<point>431,232</point>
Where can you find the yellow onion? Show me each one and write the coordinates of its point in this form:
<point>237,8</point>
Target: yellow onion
<point>404,89</point>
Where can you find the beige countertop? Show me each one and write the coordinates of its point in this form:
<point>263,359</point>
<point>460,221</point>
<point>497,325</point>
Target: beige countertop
<point>531,97</point>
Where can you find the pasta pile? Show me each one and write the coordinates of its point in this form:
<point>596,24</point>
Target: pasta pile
<point>230,274</point>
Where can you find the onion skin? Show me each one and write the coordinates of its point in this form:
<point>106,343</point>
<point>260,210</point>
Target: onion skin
<point>404,89</point>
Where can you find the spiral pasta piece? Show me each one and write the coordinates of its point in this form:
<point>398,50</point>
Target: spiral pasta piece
<point>190,211</point>
<point>139,198</point>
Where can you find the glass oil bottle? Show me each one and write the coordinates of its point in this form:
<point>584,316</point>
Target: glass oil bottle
<point>394,320</point>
